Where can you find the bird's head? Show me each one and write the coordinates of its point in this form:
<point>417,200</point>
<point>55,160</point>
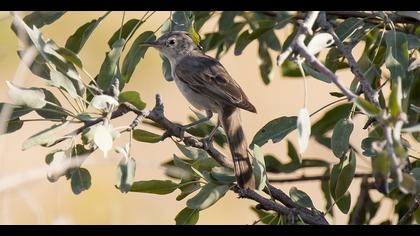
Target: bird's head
<point>173,45</point>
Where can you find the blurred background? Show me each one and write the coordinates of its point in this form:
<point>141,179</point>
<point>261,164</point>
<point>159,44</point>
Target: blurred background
<point>27,197</point>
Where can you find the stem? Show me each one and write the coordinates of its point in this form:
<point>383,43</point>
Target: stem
<point>122,24</point>
<point>329,104</point>
<point>68,100</point>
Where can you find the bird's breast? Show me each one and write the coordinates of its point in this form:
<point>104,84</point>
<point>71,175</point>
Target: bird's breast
<point>197,99</point>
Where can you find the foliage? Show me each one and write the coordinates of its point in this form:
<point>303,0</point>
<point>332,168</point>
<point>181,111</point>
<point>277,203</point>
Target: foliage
<point>390,59</point>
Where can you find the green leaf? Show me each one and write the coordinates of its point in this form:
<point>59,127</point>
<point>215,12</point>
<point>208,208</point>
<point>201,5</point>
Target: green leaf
<point>268,217</point>
<point>135,54</point>
<point>266,64</point>
<point>38,66</point>
<point>275,130</point>
<point>192,153</point>
<point>200,18</point>
<point>335,172</point>
<point>154,186</point>
<point>223,175</point>
<point>226,20</point>
<point>344,203</point>
<point>109,67</point>
<point>367,107</point>
<point>208,195</point>
<point>103,138</point>
<point>241,43</point>
<point>132,97</point>
<point>395,98</point>
<point>77,40</point>
<point>258,166</point>
<point>17,111</point>
<point>346,176</point>
<point>59,80</point>
<point>367,146</point>
<point>381,170</point>
<point>14,125</point>
<point>291,69</point>
<point>332,60</point>
<point>315,74</point>
<point>301,198</point>
<point>411,14</point>
<point>70,56</point>
<point>348,27</point>
<point>145,136</point>
<point>44,138</point>
<point>341,136</point>
<point>397,57</point>
<point>30,97</point>
<point>126,171</point>
<point>42,18</point>
<point>187,189</point>
<point>128,28</point>
<point>330,118</point>
<point>304,129</point>
<point>271,40</point>
<point>275,166</point>
<point>80,180</point>
<point>187,216</point>
<point>326,191</point>
<point>336,94</point>
<point>59,112</point>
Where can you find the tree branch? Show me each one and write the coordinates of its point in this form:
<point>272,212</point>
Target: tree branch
<point>267,204</point>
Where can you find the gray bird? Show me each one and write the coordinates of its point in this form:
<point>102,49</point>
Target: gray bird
<point>207,85</point>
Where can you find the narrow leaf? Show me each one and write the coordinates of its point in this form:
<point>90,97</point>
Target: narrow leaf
<point>187,216</point>
<point>341,136</point>
<point>154,186</point>
<point>145,136</point>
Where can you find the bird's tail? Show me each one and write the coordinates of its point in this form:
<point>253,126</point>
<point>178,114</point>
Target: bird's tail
<point>231,121</point>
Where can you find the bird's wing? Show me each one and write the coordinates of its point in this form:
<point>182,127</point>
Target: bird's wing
<point>206,75</point>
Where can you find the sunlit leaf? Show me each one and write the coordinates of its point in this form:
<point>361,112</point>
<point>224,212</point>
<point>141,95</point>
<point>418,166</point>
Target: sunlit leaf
<point>44,138</point>
<point>145,136</point>
<point>109,66</point>
<point>30,97</point>
<point>154,186</point>
<point>304,129</point>
<point>208,195</point>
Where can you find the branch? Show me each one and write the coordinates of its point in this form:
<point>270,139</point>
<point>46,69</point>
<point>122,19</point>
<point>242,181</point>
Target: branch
<point>298,46</point>
<point>311,178</point>
<point>354,67</point>
<point>407,216</point>
<point>268,204</point>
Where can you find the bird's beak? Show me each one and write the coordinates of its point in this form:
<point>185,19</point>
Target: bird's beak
<point>154,44</point>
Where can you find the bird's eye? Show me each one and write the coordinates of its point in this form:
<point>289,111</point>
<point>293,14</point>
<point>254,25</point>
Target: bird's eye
<point>171,42</point>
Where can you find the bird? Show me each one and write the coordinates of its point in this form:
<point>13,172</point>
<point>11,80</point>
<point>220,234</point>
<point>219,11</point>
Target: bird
<point>206,85</point>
